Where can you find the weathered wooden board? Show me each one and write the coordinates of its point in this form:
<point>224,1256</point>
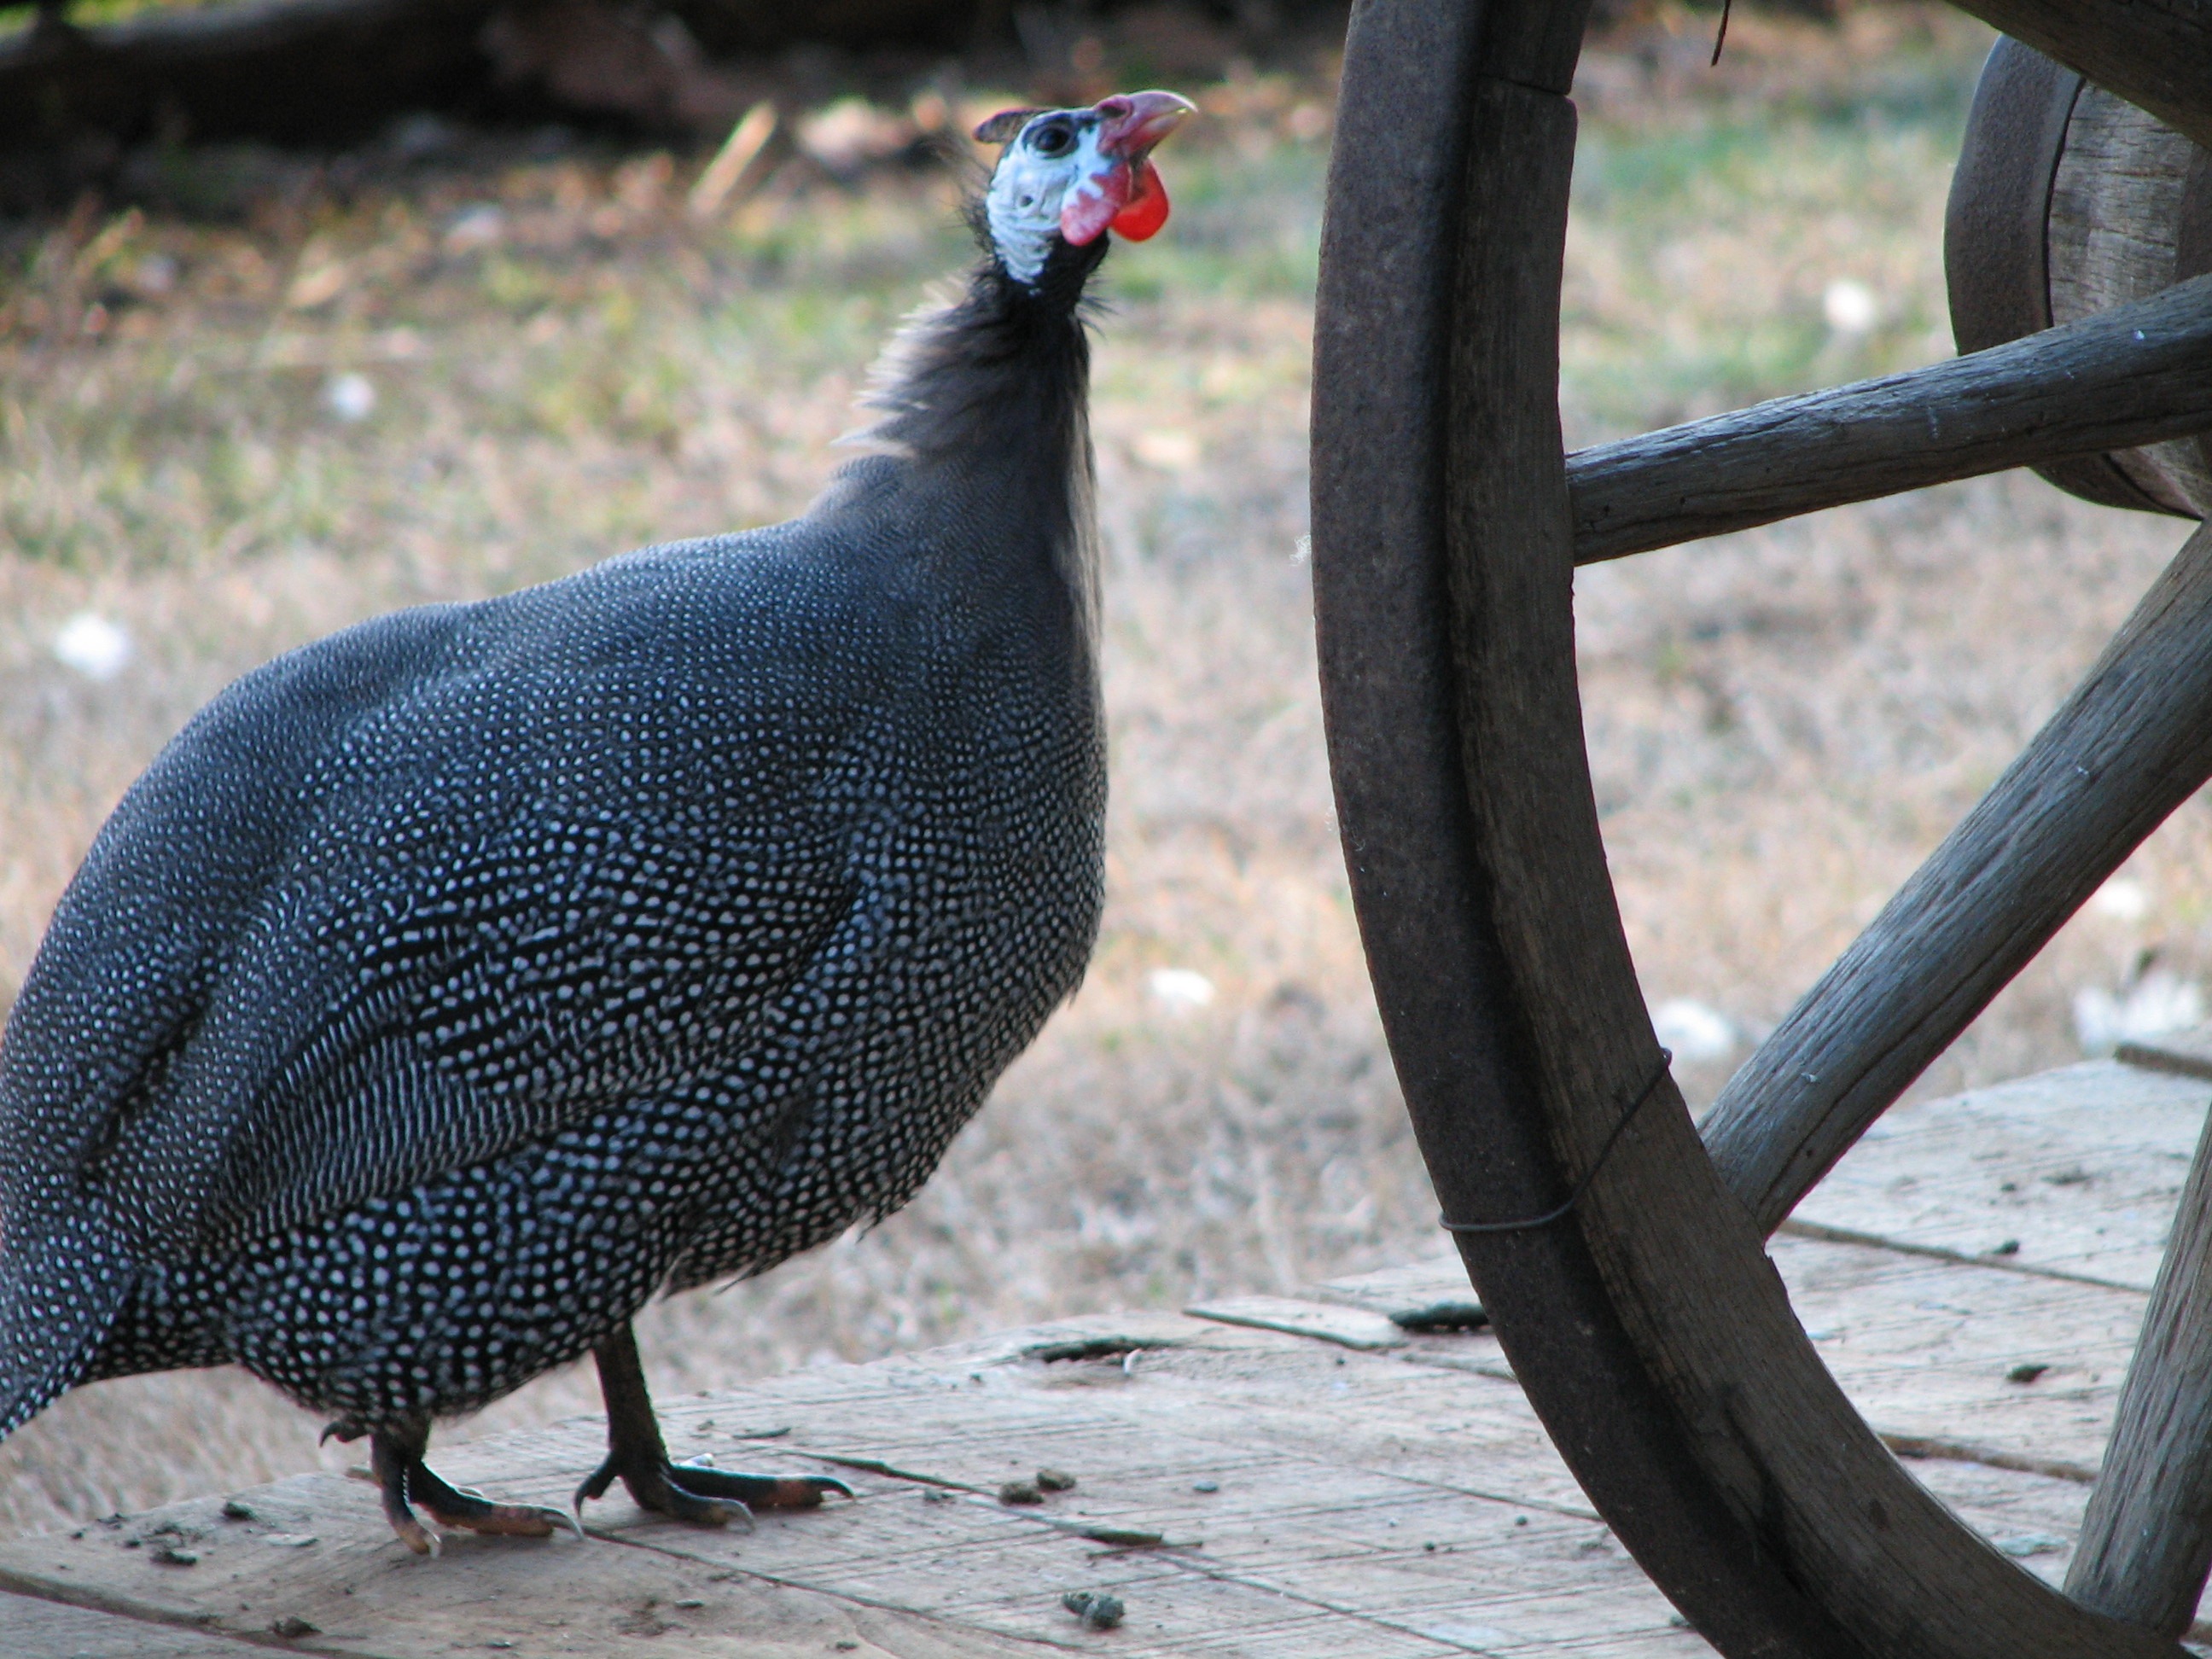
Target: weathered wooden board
<point>1927,1350</point>
<point>2188,1054</point>
<point>1310,1497</point>
<point>347,1592</point>
<point>1358,1504</point>
<point>32,1629</point>
<point>1402,1502</point>
<point>1423,1294</point>
<point>2081,1168</point>
<point>1347,1326</point>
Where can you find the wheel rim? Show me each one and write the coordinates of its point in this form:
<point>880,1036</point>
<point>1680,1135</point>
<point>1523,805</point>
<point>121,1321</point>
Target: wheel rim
<point>1651,1332</point>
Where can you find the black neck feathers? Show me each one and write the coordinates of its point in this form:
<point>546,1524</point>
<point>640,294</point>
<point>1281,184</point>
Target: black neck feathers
<point>985,419</point>
<point>1005,366</point>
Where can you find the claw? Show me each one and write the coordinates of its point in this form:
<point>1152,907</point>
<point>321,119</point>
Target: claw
<point>595,1484</point>
<point>683,1500</point>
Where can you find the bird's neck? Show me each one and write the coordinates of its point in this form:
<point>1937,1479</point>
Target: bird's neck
<point>985,418</point>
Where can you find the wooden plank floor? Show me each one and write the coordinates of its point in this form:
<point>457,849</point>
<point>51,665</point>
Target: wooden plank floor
<point>1321,1480</point>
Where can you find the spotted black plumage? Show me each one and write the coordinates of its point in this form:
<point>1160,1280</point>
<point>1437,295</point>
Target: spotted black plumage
<point>448,987</point>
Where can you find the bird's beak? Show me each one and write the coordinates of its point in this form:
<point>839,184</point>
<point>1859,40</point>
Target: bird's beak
<point>1132,122</point>
<point>1126,194</point>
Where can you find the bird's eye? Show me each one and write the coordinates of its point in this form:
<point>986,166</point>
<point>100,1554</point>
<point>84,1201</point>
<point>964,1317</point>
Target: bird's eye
<point>1052,141</point>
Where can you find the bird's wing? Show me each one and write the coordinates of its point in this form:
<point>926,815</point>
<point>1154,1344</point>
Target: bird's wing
<point>429,890</point>
<point>142,940</point>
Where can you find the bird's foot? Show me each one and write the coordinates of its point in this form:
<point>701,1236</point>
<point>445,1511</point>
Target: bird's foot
<point>638,1457</point>
<point>703,1497</point>
<point>408,1483</point>
<point>459,1508</point>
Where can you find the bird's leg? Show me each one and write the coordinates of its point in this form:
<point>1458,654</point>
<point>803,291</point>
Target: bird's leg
<point>637,1453</point>
<point>390,1458</point>
<point>395,1464</point>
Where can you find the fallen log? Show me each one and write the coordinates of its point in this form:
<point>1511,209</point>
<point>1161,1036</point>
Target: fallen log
<point>325,71</point>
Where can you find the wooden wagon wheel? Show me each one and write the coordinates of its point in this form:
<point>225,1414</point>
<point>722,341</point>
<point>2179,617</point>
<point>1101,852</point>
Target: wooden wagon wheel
<point>1650,1332</point>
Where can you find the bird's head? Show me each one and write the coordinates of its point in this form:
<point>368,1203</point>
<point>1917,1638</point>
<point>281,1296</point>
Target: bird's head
<point>1068,176</point>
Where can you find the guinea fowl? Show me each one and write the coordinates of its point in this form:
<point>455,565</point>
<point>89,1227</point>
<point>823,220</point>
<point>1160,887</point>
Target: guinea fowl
<point>448,987</point>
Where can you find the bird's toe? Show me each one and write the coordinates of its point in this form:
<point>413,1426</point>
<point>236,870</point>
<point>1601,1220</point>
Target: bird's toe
<point>680,1498</point>
<point>462,1510</point>
<point>701,1497</point>
<point>760,1492</point>
<point>504,1520</point>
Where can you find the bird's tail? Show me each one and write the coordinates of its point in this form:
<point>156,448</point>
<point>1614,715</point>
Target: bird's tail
<point>59,1296</point>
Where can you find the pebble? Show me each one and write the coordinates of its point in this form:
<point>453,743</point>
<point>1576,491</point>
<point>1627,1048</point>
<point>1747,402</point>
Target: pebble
<point>1206,1485</point>
<point>1096,1608</point>
<point>1054,1480</point>
<point>1020,1492</point>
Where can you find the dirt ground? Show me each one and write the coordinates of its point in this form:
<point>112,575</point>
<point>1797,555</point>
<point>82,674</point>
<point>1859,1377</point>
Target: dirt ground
<point>286,395</point>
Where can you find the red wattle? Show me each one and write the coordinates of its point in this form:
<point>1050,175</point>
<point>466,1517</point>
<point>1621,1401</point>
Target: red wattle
<point>1092,206</point>
<point>1147,210</point>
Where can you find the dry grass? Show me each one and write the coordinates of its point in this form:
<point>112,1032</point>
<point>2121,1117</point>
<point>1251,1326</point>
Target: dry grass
<point>1781,723</point>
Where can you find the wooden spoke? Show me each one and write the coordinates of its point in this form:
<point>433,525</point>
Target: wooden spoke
<point>2132,742</point>
<point>2146,1542</point>
<point>2157,54</point>
<point>2134,374</point>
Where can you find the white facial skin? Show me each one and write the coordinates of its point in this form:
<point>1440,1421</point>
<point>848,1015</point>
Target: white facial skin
<point>1051,156</point>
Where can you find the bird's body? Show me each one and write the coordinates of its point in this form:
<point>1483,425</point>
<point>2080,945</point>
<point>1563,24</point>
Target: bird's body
<point>449,986</point>
<point>724,886</point>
